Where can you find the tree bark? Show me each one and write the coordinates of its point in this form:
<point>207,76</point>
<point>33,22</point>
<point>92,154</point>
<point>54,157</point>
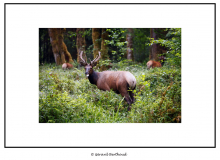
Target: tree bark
<point>104,48</point>
<point>96,42</point>
<point>59,44</point>
<point>129,39</point>
<point>153,48</point>
<point>80,42</point>
<point>104,45</point>
<point>54,42</point>
<point>60,52</point>
<point>63,49</point>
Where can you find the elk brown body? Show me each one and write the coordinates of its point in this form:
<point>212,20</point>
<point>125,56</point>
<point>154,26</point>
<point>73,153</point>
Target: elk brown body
<point>122,82</point>
<point>152,64</point>
<point>67,66</point>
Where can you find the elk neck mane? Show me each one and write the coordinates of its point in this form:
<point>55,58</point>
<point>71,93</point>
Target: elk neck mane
<point>93,78</point>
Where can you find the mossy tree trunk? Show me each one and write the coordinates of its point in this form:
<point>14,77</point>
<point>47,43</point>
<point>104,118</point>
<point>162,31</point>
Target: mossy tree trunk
<point>60,44</point>
<point>67,55</point>
<point>60,52</point>
<point>80,42</point>
<point>63,48</point>
<point>129,39</point>
<point>54,43</point>
<point>96,41</point>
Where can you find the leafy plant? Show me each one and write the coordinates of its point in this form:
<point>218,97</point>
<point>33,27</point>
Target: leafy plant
<point>116,42</point>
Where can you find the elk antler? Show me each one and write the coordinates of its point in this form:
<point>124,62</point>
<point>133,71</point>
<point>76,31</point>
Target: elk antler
<point>82,61</point>
<point>94,62</point>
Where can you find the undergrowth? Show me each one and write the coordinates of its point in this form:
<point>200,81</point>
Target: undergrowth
<point>66,96</point>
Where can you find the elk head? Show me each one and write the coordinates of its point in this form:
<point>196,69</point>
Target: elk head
<point>89,66</point>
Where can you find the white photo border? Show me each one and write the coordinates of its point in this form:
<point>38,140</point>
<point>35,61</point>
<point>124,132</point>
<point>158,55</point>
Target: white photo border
<point>198,127</point>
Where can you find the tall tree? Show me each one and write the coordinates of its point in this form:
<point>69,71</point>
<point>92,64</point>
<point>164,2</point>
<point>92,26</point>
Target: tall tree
<point>60,52</point>
<point>104,48</point>
<point>53,33</point>
<point>153,49</point>
<point>104,45</point>
<point>80,42</point>
<point>63,49</point>
<point>96,42</point>
<point>129,39</point>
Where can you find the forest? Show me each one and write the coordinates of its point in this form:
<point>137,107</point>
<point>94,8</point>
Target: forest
<point>151,55</point>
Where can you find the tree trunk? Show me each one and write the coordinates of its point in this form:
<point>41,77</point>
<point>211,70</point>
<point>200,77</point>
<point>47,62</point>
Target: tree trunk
<point>61,44</point>
<point>96,42</point>
<point>104,48</point>
<point>67,55</point>
<point>104,45</point>
<point>129,39</point>
<point>156,50</point>
<point>60,52</point>
<point>80,42</point>
<point>153,48</point>
<point>54,43</point>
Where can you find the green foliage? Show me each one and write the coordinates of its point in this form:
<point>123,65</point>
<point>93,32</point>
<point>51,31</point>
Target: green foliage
<point>104,62</point>
<point>141,51</point>
<point>66,96</point>
<point>172,42</point>
<point>117,43</point>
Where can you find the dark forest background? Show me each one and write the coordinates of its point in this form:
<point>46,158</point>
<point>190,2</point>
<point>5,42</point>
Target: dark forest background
<point>115,44</point>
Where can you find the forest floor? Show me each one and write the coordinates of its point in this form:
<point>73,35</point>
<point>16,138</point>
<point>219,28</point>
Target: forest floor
<point>66,96</point>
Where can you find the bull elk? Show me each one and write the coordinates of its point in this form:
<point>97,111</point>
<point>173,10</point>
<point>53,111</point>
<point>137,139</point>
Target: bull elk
<point>67,66</point>
<point>122,82</point>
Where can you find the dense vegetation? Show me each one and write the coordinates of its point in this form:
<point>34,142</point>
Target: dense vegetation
<point>68,96</point>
